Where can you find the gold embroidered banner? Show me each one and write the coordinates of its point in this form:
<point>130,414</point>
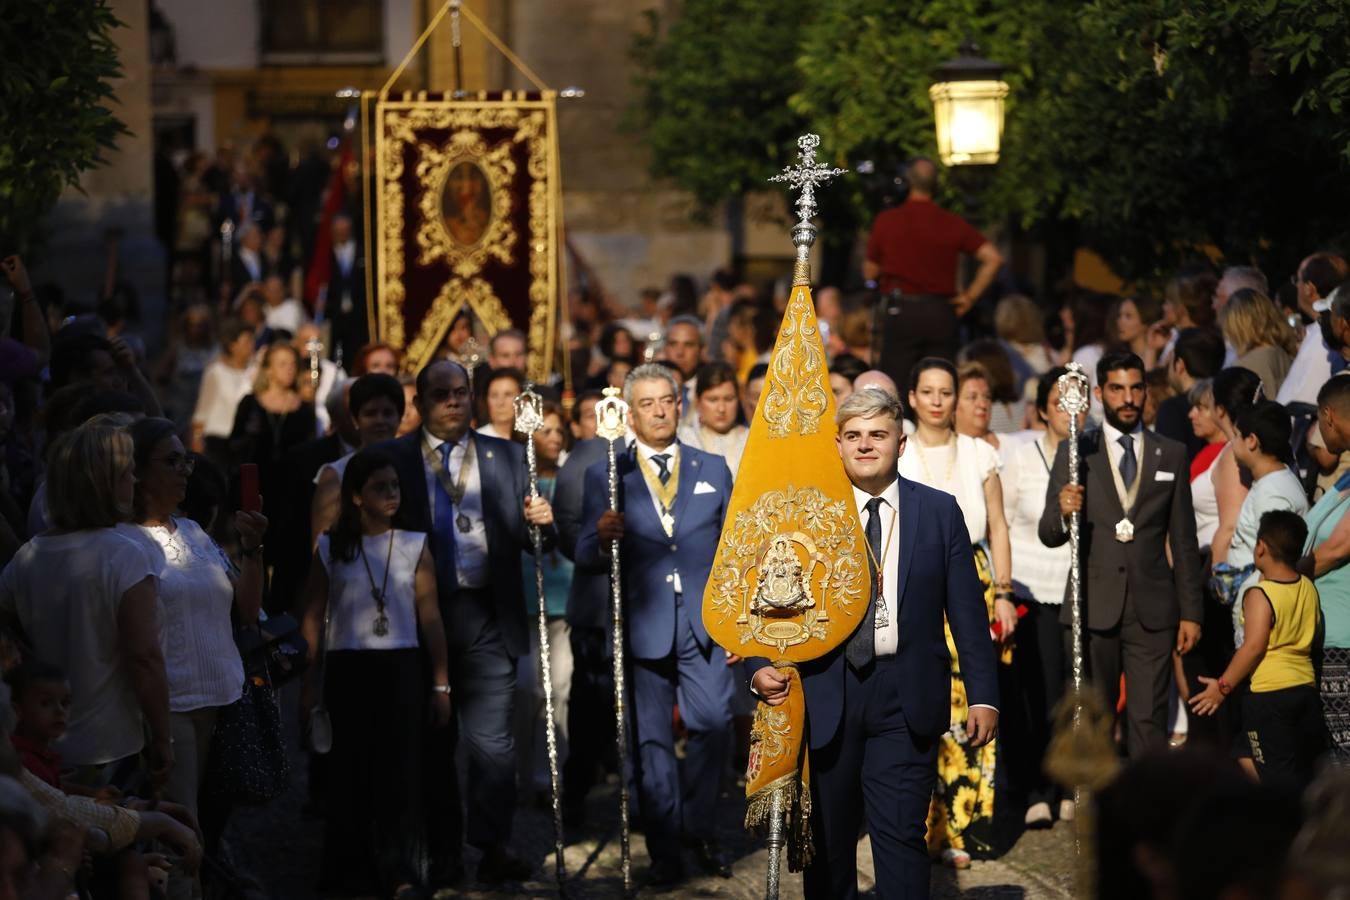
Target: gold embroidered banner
<point>467,215</point>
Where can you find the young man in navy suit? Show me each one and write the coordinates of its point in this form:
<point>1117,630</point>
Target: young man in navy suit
<point>674,499</point>
<point>876,706</point>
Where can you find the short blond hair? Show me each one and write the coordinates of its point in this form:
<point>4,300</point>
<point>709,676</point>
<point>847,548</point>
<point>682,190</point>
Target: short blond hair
<point>868,402</point>
<point>82,474</point>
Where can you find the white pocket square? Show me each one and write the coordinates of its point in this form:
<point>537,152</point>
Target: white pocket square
<point>704,488</point>
<point>1165,476</point>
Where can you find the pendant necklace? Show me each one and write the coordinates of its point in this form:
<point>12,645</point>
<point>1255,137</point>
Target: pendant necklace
<point>378,593</point>
<point>882,617</point>
<point>951,465</point>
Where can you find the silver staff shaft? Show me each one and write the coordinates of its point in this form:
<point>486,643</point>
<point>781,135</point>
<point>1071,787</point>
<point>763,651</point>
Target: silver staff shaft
<point>546,677</point>
<point>776,839</point>
<point>620,724</point>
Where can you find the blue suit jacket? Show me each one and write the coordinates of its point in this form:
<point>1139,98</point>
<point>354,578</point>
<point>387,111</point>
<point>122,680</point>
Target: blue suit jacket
<point>936,576</point>
<point>504,481</point>
<point>649,558</point>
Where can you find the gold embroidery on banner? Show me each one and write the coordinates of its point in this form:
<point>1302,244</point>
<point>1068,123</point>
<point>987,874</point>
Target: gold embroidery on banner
<point>797,392</point>
<point>399,125</point>
<point>768,739</point>
<point>787,562</point>
<point>465,152</point>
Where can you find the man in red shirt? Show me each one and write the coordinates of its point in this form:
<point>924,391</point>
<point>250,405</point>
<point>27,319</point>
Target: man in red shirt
<point>912,255</point>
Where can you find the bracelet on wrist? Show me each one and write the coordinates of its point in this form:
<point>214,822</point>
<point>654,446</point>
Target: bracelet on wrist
<point>1224,687</point>
<point>440,689</point>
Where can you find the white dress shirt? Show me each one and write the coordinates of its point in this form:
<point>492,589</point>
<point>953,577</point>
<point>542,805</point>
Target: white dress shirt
<point>646,454</point>
<point>471,549</point>
<point>1112,435</point>
<point>886,640</point>
<point>1041,571</point>
<point>345,254</point>
<point>1310,370</point>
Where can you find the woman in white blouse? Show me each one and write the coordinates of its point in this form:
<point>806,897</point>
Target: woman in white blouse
<point>713,426</point>
<point>199,587</point>
<point>371,606</point>
<point>1042,573</point>
<point>967,468</point>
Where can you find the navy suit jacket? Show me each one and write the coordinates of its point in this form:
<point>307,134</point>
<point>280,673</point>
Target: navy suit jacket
<point>588,604</point>
<point>936,577</point>
<point>502,474</point>
<point>649,558</point>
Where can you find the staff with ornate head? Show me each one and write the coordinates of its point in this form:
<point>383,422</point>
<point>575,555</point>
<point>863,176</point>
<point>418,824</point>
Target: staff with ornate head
<point>611,416</point>
<point>529,418</point>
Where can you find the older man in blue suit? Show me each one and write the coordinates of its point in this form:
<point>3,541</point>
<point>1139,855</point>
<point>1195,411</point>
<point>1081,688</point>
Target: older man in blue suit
<point>674,500</point>
<point>876,706</point>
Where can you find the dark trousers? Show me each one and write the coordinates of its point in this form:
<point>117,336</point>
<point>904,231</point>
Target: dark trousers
<point>590,714</point>
<point>1145,657</point>
<point>1042,669</point>
<point>678,798</point>
<point>483,678</point>
<point>874,767</point>
<point>373,838</point>
<point>908,328</point>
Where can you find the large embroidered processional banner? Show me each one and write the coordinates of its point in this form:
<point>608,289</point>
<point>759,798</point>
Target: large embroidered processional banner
<point>467,215</point>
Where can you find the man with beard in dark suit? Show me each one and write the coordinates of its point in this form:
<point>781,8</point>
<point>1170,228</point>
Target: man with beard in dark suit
<point>1134,494</point>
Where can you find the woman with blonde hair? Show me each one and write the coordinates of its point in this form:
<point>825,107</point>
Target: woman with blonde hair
<point>85,593</point>
<point>274,418</point>
<point>1261,338</point>
<point>1020,326</point>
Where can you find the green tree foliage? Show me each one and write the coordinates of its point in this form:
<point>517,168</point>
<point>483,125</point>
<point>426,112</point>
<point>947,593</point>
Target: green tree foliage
<point>57,62</point>
<point>1149,128</point>
<point>713,88</point>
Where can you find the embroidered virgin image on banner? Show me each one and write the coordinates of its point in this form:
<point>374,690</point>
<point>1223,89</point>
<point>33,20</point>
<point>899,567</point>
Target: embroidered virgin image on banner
<point>466,217</point>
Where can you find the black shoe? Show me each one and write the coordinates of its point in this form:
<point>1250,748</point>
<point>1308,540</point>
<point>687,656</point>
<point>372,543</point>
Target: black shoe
<point>712,858</point>
<point>665,873</point>
<point>445,874</point>
<point>499,865</point>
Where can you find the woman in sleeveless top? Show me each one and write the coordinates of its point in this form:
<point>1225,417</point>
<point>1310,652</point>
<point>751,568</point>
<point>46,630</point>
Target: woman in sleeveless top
<point>371,604</point>
<point>961,820</point>
<point>1204,500</point>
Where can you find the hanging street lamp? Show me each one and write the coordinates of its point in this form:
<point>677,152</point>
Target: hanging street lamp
<point>968,94</point>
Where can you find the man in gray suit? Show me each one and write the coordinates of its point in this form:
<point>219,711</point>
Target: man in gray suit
<point>1135,497</point>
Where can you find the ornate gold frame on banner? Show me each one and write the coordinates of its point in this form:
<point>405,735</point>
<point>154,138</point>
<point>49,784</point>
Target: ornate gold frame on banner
<point>400,124</point>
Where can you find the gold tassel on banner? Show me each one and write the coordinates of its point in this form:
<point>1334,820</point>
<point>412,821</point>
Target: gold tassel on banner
<point>778,776</point>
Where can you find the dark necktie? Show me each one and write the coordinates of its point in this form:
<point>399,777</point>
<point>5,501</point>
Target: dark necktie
<point>443,528</point>
<point>1129,466</point>
<point>862,643</point>
<point>662,461</point>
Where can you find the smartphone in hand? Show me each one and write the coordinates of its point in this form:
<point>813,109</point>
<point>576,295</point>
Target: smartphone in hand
<point>250,492</point>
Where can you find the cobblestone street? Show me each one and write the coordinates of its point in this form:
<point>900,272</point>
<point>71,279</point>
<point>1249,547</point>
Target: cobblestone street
<point>278,846</point>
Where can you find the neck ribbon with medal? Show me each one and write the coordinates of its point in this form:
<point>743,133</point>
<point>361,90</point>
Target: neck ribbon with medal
<point>1125,528</point>
<point>378,593</point>
<point>882,616</point>
<point>664,493</point>
<point>456,490</point>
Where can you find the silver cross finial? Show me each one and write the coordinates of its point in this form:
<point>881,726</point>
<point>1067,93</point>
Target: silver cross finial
<point>807,175</point>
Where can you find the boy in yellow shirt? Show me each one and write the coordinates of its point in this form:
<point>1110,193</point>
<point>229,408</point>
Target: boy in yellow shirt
<point>1281,709</point>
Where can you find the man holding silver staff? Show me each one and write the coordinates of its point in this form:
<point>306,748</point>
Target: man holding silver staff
<point>468,493</point>
<point>1135,500</point>
<point>673,501</point>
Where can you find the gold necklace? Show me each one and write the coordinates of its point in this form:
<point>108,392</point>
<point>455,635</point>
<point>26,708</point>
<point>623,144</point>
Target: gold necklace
<point>951,465</point>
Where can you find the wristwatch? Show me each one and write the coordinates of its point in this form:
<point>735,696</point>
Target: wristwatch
<point>440,689</point>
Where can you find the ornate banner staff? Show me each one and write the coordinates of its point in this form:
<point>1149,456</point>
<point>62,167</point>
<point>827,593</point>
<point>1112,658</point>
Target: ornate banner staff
<point>611,416</point>
<point>529,408</point>
<point>1080,755</point>
<point>790,580</point>
<point>314,347</point>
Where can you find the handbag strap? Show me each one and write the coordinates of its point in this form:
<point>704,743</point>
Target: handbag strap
<point>320,657</point>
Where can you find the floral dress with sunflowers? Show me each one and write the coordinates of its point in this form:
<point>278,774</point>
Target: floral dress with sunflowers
<point>961,816</point>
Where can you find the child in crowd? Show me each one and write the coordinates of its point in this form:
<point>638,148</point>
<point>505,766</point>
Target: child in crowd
<point>40,695</point>
<point>1281,708</point>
